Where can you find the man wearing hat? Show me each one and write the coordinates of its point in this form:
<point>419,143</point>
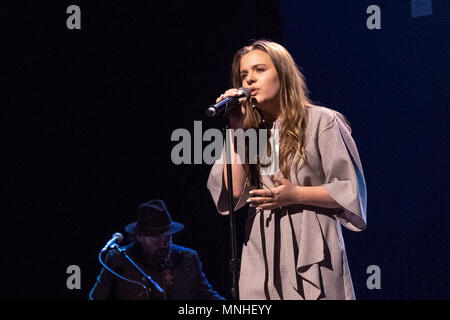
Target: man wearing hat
<point>177,270</point>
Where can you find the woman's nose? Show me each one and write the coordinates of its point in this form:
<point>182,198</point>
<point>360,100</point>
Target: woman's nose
<point>250,79</point>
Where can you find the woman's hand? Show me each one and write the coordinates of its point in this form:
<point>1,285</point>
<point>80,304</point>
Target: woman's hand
<point>236,115</point>
<point>285,193</point>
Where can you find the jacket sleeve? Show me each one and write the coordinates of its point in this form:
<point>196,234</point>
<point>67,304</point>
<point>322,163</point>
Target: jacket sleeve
<point>343,172</point>
<point>103,287</point>
<point>218,191</point>
<point>204,289</point>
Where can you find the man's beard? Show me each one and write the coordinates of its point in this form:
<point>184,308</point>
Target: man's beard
<point>159,257</point>
<point>161,254</point>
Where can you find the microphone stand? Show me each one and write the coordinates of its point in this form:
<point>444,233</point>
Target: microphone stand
<point>234,261</point>
<point>149,281</point>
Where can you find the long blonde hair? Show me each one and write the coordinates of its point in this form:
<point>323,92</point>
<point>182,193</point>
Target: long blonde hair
<point>293,105</point>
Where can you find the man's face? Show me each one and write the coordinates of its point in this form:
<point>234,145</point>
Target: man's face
<point>155,248</point>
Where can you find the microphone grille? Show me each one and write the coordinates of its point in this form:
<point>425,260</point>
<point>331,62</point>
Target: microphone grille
<point>211,112</point>
<point>119,237</point>
<point>246,92</point>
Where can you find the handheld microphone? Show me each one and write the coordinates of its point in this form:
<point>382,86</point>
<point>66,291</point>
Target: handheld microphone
<point>227,104</point>
<point>116,238</point>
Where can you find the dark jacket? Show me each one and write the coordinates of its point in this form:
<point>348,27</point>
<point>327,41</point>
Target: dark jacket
<point>189,282</point>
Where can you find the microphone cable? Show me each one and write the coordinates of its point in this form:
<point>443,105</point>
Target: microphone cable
<point>122,277</point>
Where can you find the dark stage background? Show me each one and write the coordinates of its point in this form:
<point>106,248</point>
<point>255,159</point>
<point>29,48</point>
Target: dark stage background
<point>88,116</point>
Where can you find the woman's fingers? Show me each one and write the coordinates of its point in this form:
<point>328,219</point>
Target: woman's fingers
<point>260,196</point>
<point>268,206</point>
<point>228,93</point>
<point>263,199</point>
<point>261,193</point>
<point>258,200</point>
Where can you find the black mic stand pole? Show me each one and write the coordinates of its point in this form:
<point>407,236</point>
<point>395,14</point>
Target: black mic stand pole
<point>149,281</point>
<point>234,262</point>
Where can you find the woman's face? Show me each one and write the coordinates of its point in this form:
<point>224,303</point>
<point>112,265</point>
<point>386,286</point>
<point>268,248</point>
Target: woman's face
<point>259,75</point>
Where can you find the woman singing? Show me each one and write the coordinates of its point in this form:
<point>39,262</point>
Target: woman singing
<point>294,247</point>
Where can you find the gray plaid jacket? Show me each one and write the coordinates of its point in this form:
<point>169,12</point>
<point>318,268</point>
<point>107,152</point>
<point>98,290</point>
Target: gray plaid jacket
<point>298,252</point>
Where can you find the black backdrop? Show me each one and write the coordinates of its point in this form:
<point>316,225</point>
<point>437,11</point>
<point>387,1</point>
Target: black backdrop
<point>88,116</point>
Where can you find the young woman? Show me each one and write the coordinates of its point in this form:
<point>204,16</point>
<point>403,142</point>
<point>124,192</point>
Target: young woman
<point>294,248</point>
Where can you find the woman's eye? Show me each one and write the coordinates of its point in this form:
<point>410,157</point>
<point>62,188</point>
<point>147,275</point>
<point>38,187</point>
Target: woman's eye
<point>260,70</point>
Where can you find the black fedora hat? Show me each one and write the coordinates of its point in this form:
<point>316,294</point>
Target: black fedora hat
<point>154,220</point>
